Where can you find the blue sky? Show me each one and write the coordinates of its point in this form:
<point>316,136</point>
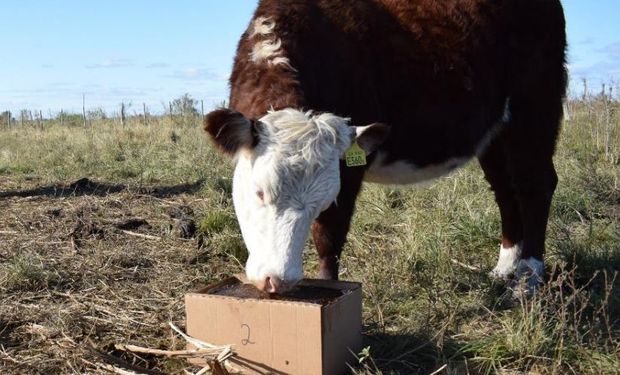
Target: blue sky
<point>142,51</point>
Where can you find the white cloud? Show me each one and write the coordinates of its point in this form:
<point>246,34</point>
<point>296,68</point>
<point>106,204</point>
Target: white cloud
<point>606,68</point>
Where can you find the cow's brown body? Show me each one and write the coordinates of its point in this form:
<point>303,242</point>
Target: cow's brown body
<point>441,74</point>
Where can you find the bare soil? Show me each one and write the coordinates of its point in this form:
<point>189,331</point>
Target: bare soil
<point>87,265</point>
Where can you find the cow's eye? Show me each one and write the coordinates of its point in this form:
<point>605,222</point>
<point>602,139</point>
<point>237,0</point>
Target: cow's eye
<point>261,195</point>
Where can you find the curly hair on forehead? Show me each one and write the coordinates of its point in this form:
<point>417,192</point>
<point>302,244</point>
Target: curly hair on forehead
<point>312,137</point>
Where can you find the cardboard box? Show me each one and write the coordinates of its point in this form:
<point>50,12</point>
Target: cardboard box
<point>282,337</point>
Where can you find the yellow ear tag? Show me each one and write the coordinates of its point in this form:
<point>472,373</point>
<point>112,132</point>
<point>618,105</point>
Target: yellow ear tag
<point>355,156</point>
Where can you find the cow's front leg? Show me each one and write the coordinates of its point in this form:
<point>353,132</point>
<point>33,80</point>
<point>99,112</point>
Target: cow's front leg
<point>329,233</point>
<point>329,230</point>
<point>495,167</point>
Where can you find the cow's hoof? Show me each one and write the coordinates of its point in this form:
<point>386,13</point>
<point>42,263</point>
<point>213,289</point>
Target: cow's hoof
<point>506,263</point>
<point>528,278</point>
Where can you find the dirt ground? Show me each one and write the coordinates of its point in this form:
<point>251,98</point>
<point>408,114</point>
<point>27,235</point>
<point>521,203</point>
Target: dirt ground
<point>86,266</point>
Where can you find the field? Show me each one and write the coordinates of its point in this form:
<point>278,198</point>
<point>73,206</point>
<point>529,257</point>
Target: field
<point>104,228</point>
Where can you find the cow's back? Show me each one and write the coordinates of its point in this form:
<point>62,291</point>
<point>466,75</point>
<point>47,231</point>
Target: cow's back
<point>433,70</point>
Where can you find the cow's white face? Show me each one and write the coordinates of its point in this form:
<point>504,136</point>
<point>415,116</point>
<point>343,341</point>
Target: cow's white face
<point>287,172</point>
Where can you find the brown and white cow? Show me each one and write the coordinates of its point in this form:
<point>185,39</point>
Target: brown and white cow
<point>423,86</point>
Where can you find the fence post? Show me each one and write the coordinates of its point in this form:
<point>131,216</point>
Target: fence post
<point>122,114</point>
<point>84,108</point>
<point>144,113</point>
<point>8,119</point>
<point>585,89</point>
<point>170,107</point>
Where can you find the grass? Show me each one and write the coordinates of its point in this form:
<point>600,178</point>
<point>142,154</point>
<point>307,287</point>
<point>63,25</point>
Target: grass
<point>72,284</point>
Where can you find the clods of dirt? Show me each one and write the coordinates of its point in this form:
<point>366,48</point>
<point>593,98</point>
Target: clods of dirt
<point>6,330</point>
<point>186,228</point>
<point>180,212</point>
<point>131,224</point>
<point>184,223</point>
<point>54,212</point>
<point>86,229</point>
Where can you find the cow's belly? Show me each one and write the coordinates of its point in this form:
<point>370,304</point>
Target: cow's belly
<point>402,172</point>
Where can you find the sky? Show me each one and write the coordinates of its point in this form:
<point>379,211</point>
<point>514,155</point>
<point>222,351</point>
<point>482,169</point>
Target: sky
<point>145,51</point>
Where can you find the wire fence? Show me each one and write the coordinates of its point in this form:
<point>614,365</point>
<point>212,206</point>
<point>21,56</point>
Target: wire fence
<point>186,110</point>
<point>183,110</point>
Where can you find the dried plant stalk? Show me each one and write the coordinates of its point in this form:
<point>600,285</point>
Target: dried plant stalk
<point>217,357</point>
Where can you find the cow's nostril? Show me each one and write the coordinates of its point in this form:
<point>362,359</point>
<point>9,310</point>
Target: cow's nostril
<point>271,285</point>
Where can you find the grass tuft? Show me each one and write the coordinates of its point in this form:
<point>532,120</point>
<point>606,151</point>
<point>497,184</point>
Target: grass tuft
<point>26,273</point>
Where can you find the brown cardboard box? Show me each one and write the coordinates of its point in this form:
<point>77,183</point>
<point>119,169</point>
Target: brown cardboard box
<point>281,337</point>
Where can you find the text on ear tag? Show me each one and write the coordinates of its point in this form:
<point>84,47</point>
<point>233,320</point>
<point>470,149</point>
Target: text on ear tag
<point>355,156</point>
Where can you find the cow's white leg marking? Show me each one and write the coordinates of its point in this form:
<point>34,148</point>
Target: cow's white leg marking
<point>507,262</point>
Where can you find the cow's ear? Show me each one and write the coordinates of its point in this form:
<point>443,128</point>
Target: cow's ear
<point>372,136</point>
<point>231,131</point>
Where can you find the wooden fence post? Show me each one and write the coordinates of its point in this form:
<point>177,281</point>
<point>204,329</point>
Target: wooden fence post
<point>84,109</point>
<point>585,89</point>
<point>144,113</point>
<point>122,114</point>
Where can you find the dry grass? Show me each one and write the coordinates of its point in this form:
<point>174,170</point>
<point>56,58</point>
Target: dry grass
<point>72,284</point>
<point>87,265</point>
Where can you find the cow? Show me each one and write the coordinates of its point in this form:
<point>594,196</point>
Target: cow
<point>326,94</point>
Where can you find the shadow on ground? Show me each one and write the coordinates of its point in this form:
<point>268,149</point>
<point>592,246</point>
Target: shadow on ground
<point>404,353</point>
<point>88,187</point>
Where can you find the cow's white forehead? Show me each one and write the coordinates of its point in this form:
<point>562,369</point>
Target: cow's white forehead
<point>303,137</point>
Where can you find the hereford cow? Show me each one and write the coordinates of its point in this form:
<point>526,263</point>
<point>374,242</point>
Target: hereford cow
<point>422,86</point>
